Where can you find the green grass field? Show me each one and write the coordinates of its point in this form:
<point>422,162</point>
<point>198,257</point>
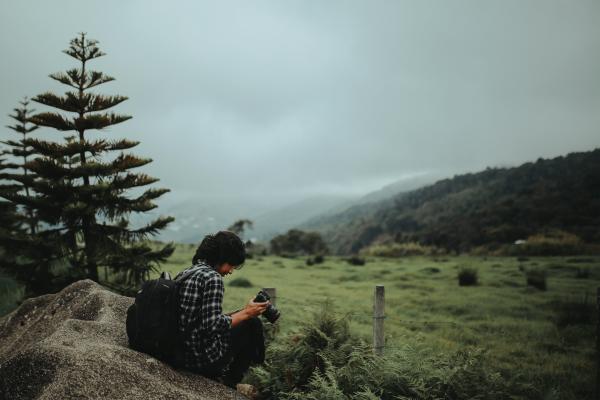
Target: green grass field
<point>545,338</point>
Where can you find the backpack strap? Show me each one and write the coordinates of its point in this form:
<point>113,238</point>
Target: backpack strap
<point>186,274</point>
<point>178,358</point>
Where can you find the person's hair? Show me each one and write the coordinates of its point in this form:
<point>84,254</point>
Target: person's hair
<point>222,247</point>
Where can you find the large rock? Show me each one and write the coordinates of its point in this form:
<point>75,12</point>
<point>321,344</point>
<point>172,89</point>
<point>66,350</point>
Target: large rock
<point>73,345</point>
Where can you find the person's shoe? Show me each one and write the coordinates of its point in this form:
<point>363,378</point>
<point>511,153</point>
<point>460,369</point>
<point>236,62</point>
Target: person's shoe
<point>247,390</point>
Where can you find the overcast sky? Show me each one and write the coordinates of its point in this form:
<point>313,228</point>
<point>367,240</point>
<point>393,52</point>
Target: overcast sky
<point>308,97</point>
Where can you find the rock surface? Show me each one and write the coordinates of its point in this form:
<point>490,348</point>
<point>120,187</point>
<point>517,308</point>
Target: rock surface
<point>73,345</point>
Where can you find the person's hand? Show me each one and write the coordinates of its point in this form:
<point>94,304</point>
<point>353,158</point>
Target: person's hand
<point>253,309</point>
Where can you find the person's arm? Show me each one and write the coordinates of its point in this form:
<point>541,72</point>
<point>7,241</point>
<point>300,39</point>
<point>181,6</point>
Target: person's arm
<point>212,318</point>
<point>251,310</point>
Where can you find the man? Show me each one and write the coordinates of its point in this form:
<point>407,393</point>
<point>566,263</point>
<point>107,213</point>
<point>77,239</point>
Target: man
<point>218,345</point>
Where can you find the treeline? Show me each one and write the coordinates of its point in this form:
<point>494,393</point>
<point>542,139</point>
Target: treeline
<point>297,242</point>
<point>292,243</point>
<point>68,192</point>
<point>555,201</point>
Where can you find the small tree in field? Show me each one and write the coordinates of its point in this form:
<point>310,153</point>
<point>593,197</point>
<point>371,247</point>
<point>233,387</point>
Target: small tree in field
<point>85,180</point>
<point>239,226</point>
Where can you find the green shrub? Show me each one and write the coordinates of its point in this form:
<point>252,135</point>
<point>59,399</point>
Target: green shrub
<point>401,250</point>
<point>318,259</point>
<point>583,273</point>
<point>551,243</point>
<point>536,277</point>
<point>467,276</point>
<point>324,360</point>
<point>356,260</point>
<point>580,260</point>
<point>256,250</point>
<point>240,282</point>
<point>573,312</point>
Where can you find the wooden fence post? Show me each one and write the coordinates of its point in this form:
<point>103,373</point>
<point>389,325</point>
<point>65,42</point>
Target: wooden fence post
<point>378,317</point>
<point>272,292</point>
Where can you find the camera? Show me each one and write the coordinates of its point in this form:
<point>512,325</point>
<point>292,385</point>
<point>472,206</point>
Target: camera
<point>271,313</point>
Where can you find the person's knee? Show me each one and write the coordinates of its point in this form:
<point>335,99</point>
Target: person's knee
<point>254,324</point>
<point>254,328</point>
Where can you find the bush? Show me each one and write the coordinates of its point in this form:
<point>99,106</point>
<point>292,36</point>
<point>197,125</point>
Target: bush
<point>580,260</point>
<point>573,312</point>
<point>256,250</point>
<point>582,273</point>
<point>401,250</point>
<point>318,259</point>
<point>536,277</point>
<point>324,360</point>
<point>240,282</point>
<point>467,276</point>
<point>552,243</point>
<point>356,260</point>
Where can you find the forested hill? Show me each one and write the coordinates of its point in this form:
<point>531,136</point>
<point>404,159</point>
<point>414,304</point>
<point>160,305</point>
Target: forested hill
<point>493,207</point>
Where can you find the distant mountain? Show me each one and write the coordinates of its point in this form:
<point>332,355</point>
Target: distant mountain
<point>400,186</point>
<point>368,203</point>
<point>280,220</point>
<point>196,217</point>
<point>498,205</point>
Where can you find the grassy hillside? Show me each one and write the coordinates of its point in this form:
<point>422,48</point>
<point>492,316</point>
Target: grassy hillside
<point>530,336</point>
<point>490,208</point>
<point>541,340</point>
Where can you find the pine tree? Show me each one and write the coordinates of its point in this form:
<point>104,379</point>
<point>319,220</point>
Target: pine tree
<point>9,220</point>
<point>83,184</point>
<point>20,152</point>
<point>25,255</point>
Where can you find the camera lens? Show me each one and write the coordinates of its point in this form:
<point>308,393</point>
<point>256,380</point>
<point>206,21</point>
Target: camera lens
<point>272,314</point>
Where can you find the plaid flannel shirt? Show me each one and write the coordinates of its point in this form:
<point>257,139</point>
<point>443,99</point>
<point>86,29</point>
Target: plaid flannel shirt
<point>204,327</point>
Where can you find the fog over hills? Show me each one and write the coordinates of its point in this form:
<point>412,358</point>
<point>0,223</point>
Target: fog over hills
<point>197,216</point>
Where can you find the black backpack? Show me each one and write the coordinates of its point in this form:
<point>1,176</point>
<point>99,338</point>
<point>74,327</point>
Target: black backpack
<point>153,319</point>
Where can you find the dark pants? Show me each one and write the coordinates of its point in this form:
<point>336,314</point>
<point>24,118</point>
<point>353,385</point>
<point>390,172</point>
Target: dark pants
<point>246,348</point>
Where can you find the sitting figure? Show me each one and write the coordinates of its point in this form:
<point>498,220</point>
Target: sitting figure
<point>216,345</point>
